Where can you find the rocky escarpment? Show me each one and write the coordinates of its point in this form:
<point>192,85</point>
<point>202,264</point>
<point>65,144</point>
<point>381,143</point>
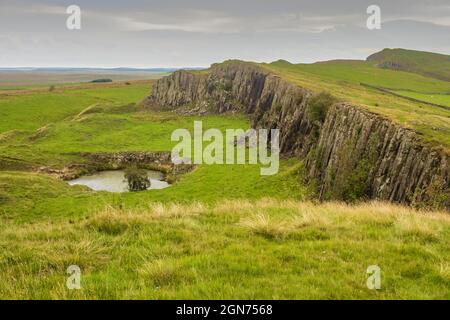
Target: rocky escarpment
<point>362,154</point>
<point>241,87</point>
<point>349,154</point>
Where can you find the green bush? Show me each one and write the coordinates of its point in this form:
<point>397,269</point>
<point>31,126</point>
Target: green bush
<point>318,106</point>
<point>137,179</point>
<point>350,181</point>
<point>101,80</point>
<point>436,195</point>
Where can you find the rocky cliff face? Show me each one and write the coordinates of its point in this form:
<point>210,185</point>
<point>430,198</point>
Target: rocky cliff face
<point>363,154</point>
<point>241,87</point>
<point>351,154</point>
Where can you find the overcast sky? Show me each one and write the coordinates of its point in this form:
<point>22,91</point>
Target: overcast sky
<point>182,33</point>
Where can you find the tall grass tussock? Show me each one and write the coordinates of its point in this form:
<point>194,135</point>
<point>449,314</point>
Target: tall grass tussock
<point>267,248</point>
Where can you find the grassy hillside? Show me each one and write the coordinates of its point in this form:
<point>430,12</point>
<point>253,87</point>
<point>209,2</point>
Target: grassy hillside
<point>348,81</point>
<point>111,126</point>
<point>221,231</point>
<point>355,71</point>
<point>264,249</point>
<point>31,108</point>
<point>425,63</point>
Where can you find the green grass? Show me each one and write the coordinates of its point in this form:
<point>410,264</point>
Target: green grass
<point>107,132</point>
<point>425,63</point>
<point>221,231</point>
<point>28,197</point>
<point>343,79</point>
<point>265,249</point>
<point>32,111</point>
<point>441,99</point>
<point>364,72</point>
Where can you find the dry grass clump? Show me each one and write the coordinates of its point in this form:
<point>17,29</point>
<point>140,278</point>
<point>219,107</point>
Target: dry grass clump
<point>159,272</point>
<point>159,249</point>
<point>407,222</point>
<point>176,210</point>
<point>262,224</point>
<point>234,206</point>
<point>272,218</point>
<point>115,221</point>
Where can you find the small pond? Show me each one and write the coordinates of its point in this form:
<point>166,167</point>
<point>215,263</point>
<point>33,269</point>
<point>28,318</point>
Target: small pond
<point>114,181</point>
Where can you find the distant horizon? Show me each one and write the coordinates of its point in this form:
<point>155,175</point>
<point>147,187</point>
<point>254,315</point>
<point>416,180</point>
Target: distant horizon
<point>33,68</point>
<point>195,67</point>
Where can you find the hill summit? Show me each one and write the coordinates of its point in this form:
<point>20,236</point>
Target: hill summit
<point>428,64</point>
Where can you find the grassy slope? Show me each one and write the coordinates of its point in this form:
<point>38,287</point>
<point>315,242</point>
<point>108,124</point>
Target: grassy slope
<point>128,246</point>
<point>426,63</point>
<point>364,72</point>
<point>33,110</point>
<point>343,78</point>
<point>107,131</point>
<point>109,126</point>
<point>437,98</point>
<point>233,249</point>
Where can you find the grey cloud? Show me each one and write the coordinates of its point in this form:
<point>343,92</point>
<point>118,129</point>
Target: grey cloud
<point>199,32</point>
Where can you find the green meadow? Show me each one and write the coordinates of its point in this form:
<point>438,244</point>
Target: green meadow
<point>220,231</point>
<point>442,99</point>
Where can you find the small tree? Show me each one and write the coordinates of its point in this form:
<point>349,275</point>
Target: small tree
<point>137,179</point>
<point>52,88</point>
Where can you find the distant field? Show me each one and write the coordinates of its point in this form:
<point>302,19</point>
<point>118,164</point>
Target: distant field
<point>364,72</point>
<point>31,109</point>
<point>17,79</point>
<point>442,99</point>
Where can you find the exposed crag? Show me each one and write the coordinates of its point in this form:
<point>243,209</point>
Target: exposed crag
<point>350,154</point>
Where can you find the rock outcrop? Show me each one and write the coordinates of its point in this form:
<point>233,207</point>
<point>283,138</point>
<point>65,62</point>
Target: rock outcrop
<point>351,154</point>
<point>160,161</point>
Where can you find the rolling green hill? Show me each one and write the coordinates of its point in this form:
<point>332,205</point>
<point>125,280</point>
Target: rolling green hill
<point>425,63</point>
<point>358,71</point>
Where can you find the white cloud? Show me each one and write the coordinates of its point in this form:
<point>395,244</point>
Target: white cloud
<point>211,25</point>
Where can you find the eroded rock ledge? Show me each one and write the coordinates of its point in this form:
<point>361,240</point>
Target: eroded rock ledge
<point>352,154</point>
<point>160,161</point>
